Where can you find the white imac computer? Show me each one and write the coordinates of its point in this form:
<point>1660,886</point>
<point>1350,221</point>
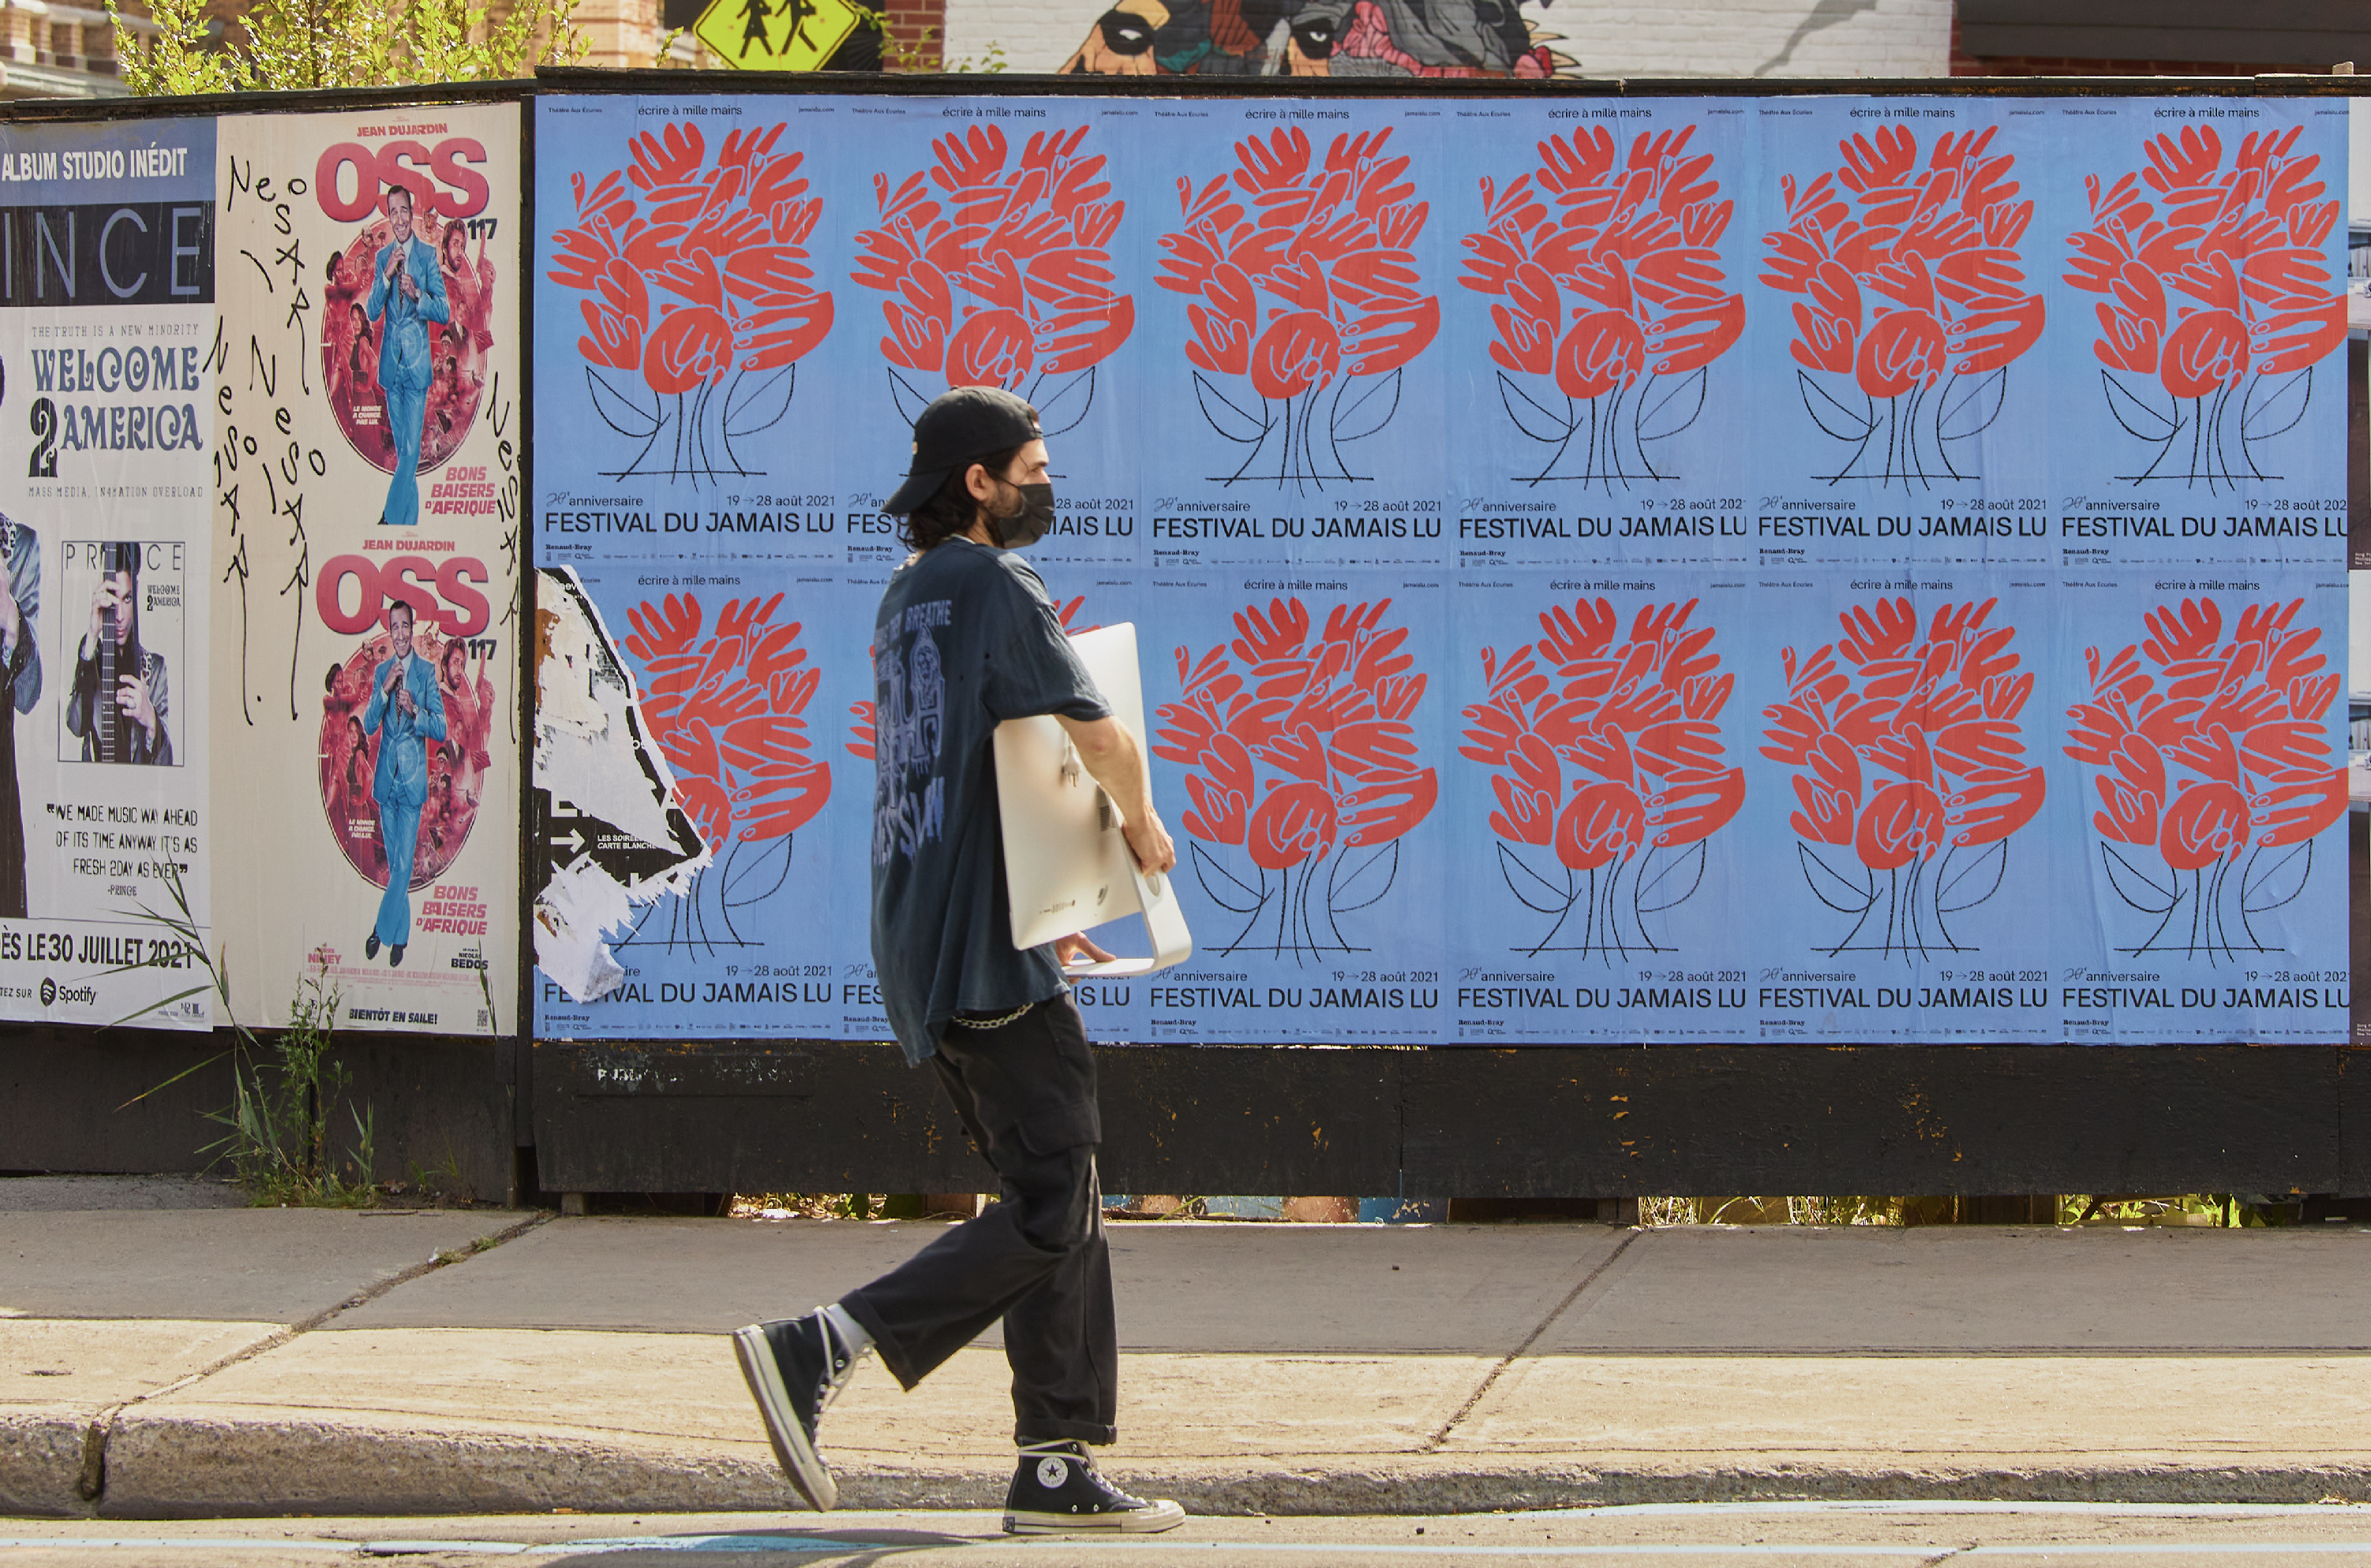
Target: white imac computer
<point>1067,863</point>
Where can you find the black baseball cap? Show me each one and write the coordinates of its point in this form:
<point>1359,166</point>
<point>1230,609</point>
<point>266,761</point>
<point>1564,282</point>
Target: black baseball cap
<point>957,429</point>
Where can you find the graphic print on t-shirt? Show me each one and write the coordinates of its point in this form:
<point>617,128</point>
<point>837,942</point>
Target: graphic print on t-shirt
<point>910,799</point>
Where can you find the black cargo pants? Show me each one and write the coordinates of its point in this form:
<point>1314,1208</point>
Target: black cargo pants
<point>1037,1258</point>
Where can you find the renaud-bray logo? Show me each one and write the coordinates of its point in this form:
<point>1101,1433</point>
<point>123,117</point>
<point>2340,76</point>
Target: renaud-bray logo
<point>52,993</point>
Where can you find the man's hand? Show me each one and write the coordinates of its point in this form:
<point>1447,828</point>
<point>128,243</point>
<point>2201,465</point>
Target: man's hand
<point>1080,949</point>
<point>394,260</point>
<point>109,597</point>
<point>1149,840</point>
<point>132,696</point>
<point>1113,760</point>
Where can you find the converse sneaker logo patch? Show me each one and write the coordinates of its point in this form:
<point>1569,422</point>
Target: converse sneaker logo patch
<point>1052,1473</point>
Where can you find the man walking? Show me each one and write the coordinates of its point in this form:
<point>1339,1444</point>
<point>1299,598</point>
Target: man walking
<point>965,639</point>
<point>406,712</point>
<point>407,290</point>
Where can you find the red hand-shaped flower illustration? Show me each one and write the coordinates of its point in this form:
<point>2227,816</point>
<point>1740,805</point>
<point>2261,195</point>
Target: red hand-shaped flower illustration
<point>1631,723</point>
<point>2218,754</point>
<point>725,710</point>
<point>2217,299</point>
<point>1305,278</point>
<point>1914,300</point>
<point>999,272</point>
<point>721,251</point>
<point>1911,765</point>
<point>1609,279</point>
<point>1303,745</point>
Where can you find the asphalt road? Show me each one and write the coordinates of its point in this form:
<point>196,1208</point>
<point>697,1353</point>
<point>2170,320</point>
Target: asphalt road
<point>1801,1535</point>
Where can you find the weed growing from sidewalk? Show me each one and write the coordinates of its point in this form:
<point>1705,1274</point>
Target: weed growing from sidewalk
<point>278,1126</point>
<point>458,1254</point>
<point>277,1139</point>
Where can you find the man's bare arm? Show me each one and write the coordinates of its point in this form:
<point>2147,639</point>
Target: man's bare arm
<point>1113,758</point>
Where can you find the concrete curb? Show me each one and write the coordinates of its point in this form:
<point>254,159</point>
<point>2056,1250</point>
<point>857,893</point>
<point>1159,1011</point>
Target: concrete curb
<point>186,1468</point>
<point>42,1463</point>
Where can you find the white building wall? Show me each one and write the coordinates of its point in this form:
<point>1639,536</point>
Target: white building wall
<point>1607,38</point>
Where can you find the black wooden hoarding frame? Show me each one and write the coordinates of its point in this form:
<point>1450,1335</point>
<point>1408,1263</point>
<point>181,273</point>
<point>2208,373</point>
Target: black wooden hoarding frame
<point>725,1114</point>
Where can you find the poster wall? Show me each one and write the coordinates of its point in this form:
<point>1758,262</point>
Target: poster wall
<point>107,328</point>
<point>1749,570</point>
<point>366,603</point>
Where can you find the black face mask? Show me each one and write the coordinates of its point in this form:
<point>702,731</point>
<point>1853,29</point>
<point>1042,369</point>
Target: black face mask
<point>1025,525</point>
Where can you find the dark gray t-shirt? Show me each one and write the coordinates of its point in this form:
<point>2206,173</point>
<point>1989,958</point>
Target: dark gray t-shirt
<point>967,638</point>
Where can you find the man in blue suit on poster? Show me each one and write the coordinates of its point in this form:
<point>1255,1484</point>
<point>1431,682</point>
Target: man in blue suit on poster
<point>407,290</point>
<point>406,712</point>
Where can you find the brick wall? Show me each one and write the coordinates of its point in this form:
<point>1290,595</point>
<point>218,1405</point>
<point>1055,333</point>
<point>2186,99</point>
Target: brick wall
<point>917,29</point>
<point>1605,38</point>
<point>621,32</point>
<point>625,32</point>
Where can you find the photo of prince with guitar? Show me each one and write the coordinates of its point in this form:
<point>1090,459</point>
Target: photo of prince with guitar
<point>121,694</point>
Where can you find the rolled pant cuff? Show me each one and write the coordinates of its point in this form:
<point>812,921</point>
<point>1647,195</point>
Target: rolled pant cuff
<point>884,1344</point>
<point>1065,1432</point>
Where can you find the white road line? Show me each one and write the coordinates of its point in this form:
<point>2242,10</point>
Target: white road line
<point>151,1543</point>
<point>2095,1510</point>
<point>752,1542</point>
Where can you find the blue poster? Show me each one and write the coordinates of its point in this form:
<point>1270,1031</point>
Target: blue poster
<point>1604,730</point>
<point>997,242</point>
<point>1300,733</point>
<point>755,693</point>
<point>1597,374</point>
<point>1294,403</point>
<point>1893,333</point>
<point>687,369</point>
<point>2205,734</point>
<point>2198,400</point>
<point>1911,813</point>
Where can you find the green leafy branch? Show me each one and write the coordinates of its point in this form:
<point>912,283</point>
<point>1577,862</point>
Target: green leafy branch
<point>344,43</point>
<point>277,1137</point>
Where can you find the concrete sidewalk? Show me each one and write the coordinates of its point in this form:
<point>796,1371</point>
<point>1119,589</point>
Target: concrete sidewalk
<point>239,1362</point>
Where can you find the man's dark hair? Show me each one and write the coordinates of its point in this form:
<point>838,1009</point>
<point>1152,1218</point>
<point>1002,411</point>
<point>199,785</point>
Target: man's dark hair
<point>953,510</point>
<point>127,565</point>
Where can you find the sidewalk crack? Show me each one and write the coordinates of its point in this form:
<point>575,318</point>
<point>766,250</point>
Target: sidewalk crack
<point>92,1483</point>
<point>1432,1443</point>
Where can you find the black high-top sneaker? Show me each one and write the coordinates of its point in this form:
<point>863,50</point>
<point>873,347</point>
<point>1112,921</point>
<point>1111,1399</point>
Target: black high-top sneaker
<point>795,1367</point>
<point>1058,1488</point>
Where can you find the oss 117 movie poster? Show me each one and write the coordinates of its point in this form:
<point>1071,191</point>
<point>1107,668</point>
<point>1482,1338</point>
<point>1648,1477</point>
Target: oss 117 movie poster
<point>107,330</point>
<point>367,591</point>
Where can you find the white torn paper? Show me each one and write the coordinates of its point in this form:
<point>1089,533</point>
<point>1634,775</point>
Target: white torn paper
<point>616,837</point>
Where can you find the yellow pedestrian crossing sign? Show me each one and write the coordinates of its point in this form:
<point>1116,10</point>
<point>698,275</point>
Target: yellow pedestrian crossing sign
<point>776,35</point>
